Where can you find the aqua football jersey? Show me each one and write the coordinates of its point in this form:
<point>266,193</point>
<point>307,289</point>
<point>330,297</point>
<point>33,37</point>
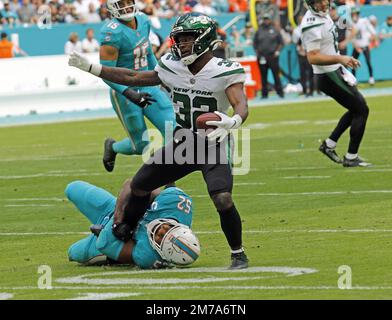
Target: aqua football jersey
<point>133,45</point>
<point>172,203</point>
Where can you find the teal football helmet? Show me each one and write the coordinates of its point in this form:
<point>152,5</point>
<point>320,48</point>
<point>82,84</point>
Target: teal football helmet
<point>202,28</point>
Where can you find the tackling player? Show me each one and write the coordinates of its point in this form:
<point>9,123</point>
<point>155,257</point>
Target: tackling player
<point>319,38</point>
<point>163,235</point>
<point>199,83</point>
<point>125,43</point>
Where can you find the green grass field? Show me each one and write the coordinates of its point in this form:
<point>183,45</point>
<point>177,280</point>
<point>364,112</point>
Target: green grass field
<point>299,210</point>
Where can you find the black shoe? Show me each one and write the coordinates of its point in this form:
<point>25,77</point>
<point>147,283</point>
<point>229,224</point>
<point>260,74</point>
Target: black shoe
<point>238,261</point>
<point>330,153</point>
<point>357,162</point>
<point>109,156</point>
<point>96,229</point>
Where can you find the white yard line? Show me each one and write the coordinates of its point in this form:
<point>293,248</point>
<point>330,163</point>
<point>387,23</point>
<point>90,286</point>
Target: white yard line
<point>104,296</point>
<point>22,234</point>
<point>305,177</point>
<point>28,205</point>
<point>6,296</point>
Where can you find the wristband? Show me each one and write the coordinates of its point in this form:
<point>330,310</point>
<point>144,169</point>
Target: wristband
<point>238,121</point>
<point>95,69</point>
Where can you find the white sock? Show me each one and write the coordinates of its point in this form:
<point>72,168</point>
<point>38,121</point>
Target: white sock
<point>238,250</point>
<point>330,143</point>
<point>351,156</point>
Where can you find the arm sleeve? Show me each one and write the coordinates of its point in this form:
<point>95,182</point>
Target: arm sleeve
<point>237,76</point>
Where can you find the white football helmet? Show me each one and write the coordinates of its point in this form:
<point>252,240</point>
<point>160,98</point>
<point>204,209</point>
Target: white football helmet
<point>179,245</point>
<point>119,9</point>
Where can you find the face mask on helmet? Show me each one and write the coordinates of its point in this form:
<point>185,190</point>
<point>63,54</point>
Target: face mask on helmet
<point>122,9</point>
<point>202,31</point>
<point>178,246</point>
<point>314,7</point>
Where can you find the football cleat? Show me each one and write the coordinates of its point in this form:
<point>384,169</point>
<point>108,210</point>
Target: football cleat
<point>329,152</point>
<point>96,229</point>
<point>357,162</point>
<point>109,156</point>
<point>238,261</point>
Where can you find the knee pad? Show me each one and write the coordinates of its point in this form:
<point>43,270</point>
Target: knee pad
<point>222,201</point>
<point>71,188</point>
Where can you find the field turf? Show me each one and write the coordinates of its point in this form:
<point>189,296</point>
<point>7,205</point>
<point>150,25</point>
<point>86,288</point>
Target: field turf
<point>303,216</point>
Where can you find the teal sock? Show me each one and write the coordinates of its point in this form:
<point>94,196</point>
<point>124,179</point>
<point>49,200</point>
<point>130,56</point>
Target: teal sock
<point>124,147</point>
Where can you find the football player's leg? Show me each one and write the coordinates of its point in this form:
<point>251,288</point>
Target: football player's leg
<point>350,98</point>
<point>85,251</point>
<point>355,55</point>
<point>157,172</point>
<point>95,203</point>
<point>132,119</point>
<point>366,53</point>
<point>161,112</point>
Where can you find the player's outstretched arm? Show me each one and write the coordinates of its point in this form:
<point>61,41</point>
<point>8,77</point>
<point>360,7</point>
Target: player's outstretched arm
<point>118,75</point>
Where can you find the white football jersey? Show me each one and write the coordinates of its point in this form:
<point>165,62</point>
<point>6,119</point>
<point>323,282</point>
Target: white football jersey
<point>319,33</point>
<point>364,31</point>
<point>204,92</point>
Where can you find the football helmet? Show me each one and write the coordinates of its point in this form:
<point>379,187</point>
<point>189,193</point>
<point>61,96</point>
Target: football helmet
<point>118,9</point>
<point>311,6</point>
<point>202,28</point>
<point>179,245</point>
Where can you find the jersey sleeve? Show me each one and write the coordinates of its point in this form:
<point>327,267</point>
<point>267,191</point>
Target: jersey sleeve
<point>230,72</point>
<point>311,36</point>
<point>165,72</point>
<point>109,37</point>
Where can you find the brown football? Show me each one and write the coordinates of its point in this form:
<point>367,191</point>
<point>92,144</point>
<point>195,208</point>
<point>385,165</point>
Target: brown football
<point>203,118</point>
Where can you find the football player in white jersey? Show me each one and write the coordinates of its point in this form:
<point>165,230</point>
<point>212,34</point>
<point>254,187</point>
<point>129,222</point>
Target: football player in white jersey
<point>319,38</point>
<point>363,34</point>
<point>199,83</point>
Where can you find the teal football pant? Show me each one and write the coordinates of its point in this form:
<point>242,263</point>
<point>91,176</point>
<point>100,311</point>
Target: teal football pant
<point>132,119</point>
<point>97,205</point>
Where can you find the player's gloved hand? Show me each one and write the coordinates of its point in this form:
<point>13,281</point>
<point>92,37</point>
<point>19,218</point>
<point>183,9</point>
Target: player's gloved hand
<point>122,231</point>
<point>223,126</point>
<point>141,99</point>
<point>79,61</point>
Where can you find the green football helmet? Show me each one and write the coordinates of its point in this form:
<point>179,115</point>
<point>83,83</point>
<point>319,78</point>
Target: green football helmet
<point>202,28</point>
<point>310,4</point>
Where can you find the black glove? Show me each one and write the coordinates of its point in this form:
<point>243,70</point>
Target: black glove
<point>141,99</point>
<point>122,231</point>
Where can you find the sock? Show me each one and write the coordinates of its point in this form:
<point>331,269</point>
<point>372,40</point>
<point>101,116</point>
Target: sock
<point>330,143</point>
<point>351,156</point>
<point>237,251</point>
<point>232,227</point>
<point>135,209</point>
<point>124,147</point>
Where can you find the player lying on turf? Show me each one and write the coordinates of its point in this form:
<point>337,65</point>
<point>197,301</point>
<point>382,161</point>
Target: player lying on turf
<point>199,83</point>
<point>163,236</point>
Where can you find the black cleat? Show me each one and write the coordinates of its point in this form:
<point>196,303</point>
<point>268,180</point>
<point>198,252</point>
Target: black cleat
<point>96,229</point>
<point>109,156</point>
<point>330,153</point>
<point>357,162</point>
<point>238,261</point>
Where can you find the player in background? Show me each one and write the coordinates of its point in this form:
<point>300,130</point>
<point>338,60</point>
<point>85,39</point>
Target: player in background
<point>319,38</point>
<point>363,34</point>
<point>200,83</point>
<point>163,235</point>
<point>124,42</point>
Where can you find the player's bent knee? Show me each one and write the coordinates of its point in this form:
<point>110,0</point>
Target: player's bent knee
<point>76,254</point>
<point>73,189</point>
<point>222,201</point>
